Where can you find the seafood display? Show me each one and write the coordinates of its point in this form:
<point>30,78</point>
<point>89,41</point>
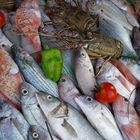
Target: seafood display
<point>69,69</point>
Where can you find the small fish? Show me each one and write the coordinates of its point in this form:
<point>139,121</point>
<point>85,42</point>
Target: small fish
<point>127,119</point>
<point>13,126</point>
<point>33,73</point>
<point>100,117</point>
<point>66,122</point>
<point>119,33</point>
<point>133,67</point>
<point>10,79</point>
<point>137,101</point>
<point>107,10</point>
<point>28,20</point>
<point>110,73</point>
<point>30,108</point>
<point>84,72</point>
<point>68,91</point>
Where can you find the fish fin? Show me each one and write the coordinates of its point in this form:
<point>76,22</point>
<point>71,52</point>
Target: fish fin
<point>69,128</point>
<point>60,111</point>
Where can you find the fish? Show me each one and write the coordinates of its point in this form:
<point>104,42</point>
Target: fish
<point>84,72</point>
<point>133,67</point>
<point>31,109</point>
<point>109,73</point>
<point>5,42</point>
<point>66,122</point>
<point>119,33</point>
<point>136,40</point>
<point>12,123</point>
<point>10,79</point>
<point>28,20</point>
<point>107,10</point>
<point>126,118</point>
<point>125,71</point>
<point>68,91</point>
<point>100,117</point>
<point>137,101</point>
<point>33,73</point>
<point>38,133</point>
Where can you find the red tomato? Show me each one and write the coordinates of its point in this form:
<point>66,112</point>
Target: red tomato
<point>107,93</point>
<point>2,19</point>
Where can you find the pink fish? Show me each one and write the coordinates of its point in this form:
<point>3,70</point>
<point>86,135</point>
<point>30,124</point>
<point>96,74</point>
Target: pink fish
<point>10,79</point>
<point>28,20</point>
<point>127,119</point>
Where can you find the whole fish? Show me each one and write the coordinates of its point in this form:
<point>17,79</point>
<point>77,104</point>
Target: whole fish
<point>13,126</point>
<point>38,133</point>
<point>33,73</point>
<point>107,10</point>
<point>28,20</point>
<point>84,72</point>
<point>133,67</point>
<point>65,121</point>
<point>10,79</point>
<point>119,33</point>
<point>100,117</point>
<point>109,73</point>
<point>68,91</point>
<point>127,119</point>
<point>125,71</point>
<point>31,110</point>
<point>137,101</point>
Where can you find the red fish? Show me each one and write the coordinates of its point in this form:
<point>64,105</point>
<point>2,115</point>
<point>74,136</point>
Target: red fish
<point>28,20</point>
<point>127,119</point>
<point>10,79</point>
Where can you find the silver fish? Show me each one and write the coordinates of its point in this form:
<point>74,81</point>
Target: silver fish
<point>100,117</point>
<point>68,91</point>
<point>33,73</point>
<point>120,33</point>
<point>13,126</point>
<point>84,72</point>
<point>127,119</point>
<point>132,66</point>
<point>110,73</point>
<point>137,101</point>
<point>65,121</point>
<point>107,10</point>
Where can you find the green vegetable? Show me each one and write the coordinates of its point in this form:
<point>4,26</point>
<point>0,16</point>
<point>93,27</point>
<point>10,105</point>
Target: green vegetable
<point>52,63</point>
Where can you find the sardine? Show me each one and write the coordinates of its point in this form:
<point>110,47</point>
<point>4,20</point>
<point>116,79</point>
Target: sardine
<point>100,117</point>
<point>107,10</point>
<point>30,108</point>
<point>10,79</point>
<point>33,73</point>
<point>84,72</point>
<point>127,119</point>
<point>119,33</point>
<point>110,73</point>
<point>65,121</point>
<point>13,126</point>
<point>68,91</point>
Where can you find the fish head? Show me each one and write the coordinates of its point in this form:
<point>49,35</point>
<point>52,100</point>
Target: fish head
<point>27,94</point>
<point>38,133</point>
<point>5,109</point>
<point>47,102</point>
<point>86,103</point>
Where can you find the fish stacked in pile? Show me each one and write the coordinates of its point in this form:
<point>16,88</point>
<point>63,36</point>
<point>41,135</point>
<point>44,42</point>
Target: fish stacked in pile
<point>69,70</point>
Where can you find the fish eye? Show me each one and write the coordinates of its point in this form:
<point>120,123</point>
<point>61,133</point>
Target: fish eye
<point>35,135</point>
<point>63,80</point>
<point>24,92</point>
<point>125,100</point>
<point>93,3</point>
<point>89,99</point>
<point>102,10</point>
<point>49,97</point>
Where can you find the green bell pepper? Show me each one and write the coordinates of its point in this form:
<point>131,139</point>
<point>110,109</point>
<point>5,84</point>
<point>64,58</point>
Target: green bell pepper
<point>52,63</point>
